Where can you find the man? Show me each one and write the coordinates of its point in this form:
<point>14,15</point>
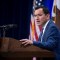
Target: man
<point>50,36</point>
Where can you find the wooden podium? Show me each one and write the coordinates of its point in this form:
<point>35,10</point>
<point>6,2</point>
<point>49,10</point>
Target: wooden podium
<point>10,48</point>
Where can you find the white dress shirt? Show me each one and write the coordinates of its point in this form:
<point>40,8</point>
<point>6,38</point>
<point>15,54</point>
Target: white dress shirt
<point>44,27</point>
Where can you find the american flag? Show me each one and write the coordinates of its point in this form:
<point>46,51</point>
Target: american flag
<point>34,28</point>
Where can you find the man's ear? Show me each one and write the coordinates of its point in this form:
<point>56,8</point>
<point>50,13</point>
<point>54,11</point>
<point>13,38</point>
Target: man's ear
<point>48,16</point>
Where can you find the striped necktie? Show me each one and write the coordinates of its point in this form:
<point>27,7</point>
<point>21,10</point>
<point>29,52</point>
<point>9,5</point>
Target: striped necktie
<point>41,35</point>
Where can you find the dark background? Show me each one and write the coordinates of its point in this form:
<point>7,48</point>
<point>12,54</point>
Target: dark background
<point>15,12</point>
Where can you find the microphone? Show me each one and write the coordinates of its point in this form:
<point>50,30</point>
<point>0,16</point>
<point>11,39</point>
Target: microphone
<point>8,26</point>
<point>11,26</point>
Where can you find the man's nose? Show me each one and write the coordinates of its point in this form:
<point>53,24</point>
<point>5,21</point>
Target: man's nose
<point>37,18</point>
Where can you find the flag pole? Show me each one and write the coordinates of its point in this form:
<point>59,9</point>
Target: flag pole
<point>34,58</point>
<point>55,11</point>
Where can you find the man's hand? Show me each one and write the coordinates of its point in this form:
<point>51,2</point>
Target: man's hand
<point>26,42</point>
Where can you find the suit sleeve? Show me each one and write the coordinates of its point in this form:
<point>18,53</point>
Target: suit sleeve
<point>51,42</point>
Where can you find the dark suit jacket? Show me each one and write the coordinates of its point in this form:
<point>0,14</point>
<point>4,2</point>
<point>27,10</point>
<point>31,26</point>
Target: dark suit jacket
<point>50,40</point>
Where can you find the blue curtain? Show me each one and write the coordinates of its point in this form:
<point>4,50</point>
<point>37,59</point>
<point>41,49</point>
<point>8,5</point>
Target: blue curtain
<point>16,12</point>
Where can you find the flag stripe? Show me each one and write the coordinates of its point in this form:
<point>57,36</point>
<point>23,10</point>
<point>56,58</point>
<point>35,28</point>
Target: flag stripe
<point>36,35</point>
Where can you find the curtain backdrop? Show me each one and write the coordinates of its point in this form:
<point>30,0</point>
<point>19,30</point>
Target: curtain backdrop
<point>15,12</point>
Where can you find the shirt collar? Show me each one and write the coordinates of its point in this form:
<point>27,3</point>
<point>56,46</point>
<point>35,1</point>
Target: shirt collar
<point>44,27</point>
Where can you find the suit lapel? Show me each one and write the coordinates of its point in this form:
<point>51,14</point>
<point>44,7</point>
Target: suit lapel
<point>46,33</point>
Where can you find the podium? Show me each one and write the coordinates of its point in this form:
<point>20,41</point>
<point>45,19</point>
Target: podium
<point>10,48</point>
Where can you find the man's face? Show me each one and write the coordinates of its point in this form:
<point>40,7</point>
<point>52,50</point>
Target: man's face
<point>40,17</point>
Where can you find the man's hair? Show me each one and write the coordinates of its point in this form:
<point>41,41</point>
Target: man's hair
<point>45,9</point>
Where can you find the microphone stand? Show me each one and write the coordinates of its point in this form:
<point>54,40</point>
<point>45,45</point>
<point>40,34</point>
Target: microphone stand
<point>4,29</point>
